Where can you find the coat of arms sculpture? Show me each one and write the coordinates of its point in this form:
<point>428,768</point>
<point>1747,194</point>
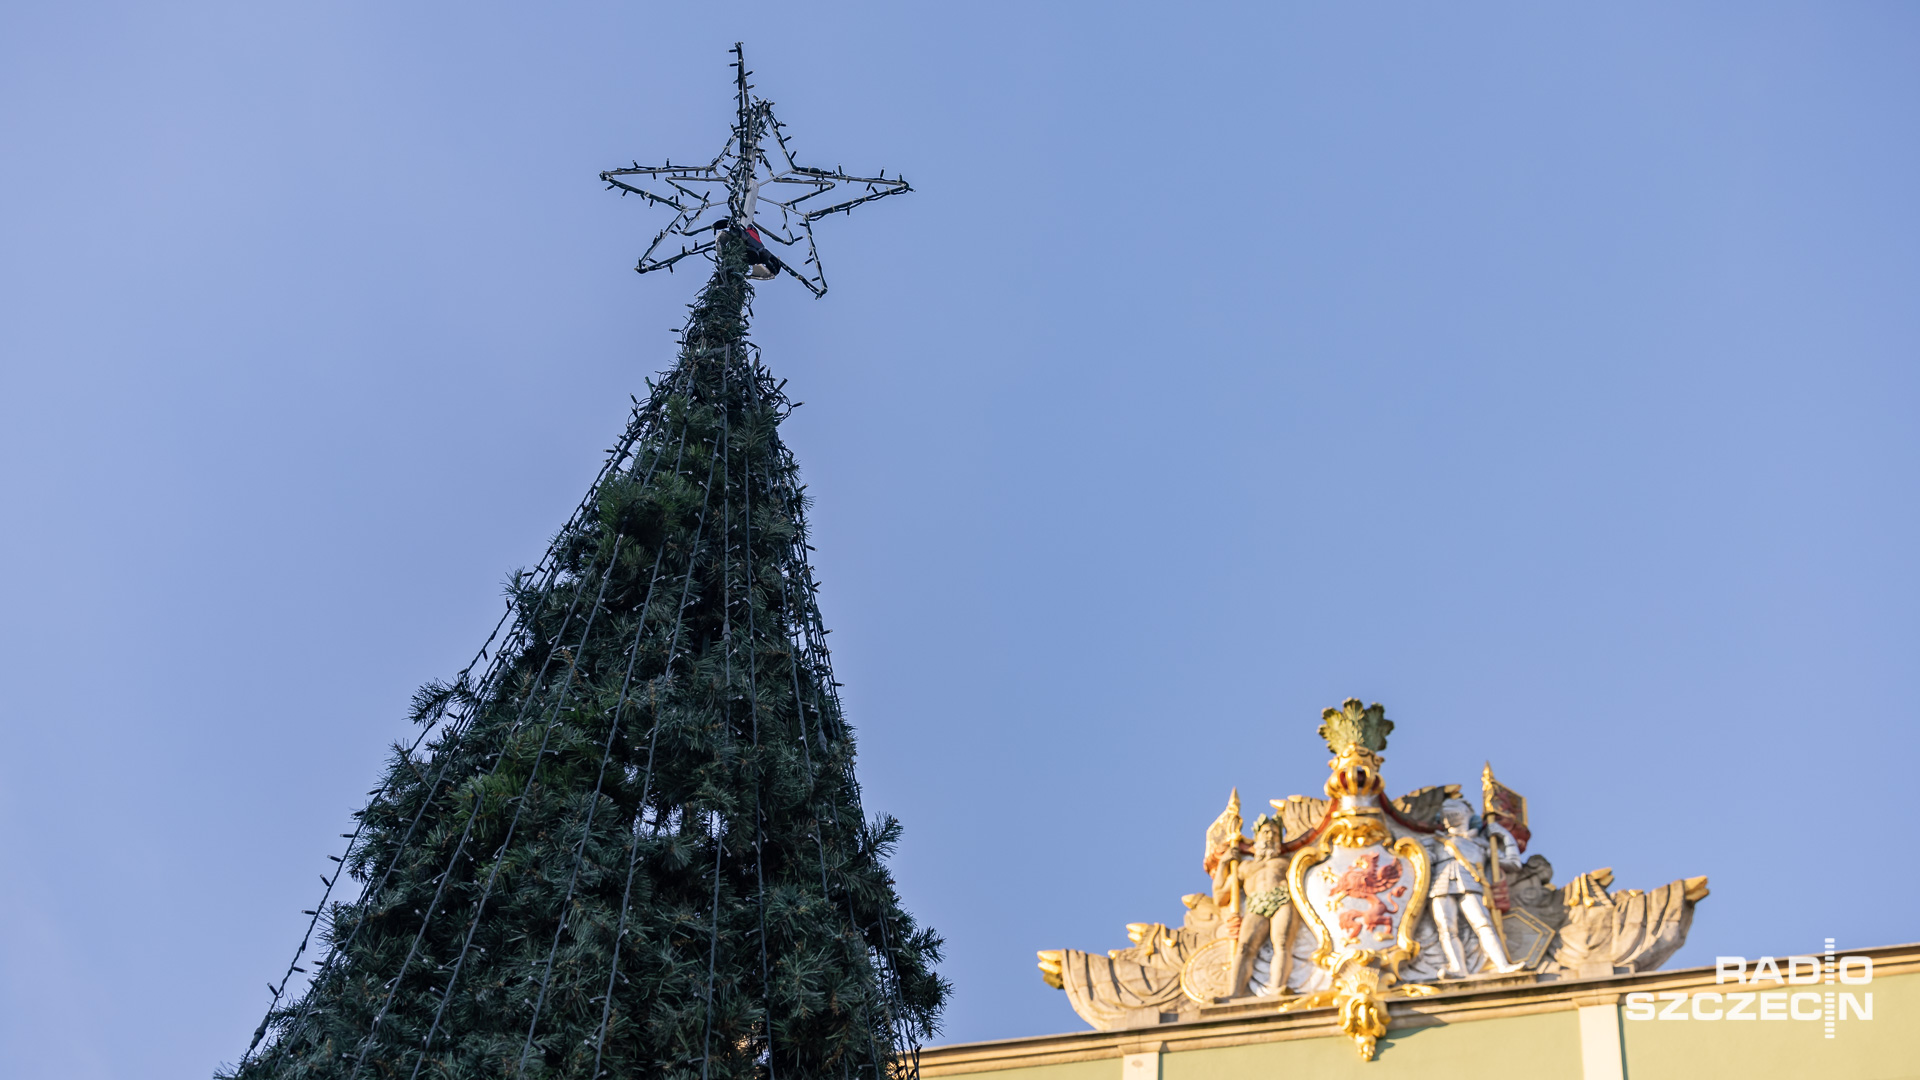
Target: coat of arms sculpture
<point>1355,900</point>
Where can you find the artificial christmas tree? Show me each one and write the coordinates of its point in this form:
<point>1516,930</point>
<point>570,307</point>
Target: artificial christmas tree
<point>631,843</point>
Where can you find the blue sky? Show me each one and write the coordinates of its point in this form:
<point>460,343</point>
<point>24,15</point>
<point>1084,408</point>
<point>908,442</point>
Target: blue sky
<point>1546,374</point>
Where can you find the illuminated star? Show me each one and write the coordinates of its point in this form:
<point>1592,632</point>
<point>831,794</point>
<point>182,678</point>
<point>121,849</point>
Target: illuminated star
<point>754,180</point>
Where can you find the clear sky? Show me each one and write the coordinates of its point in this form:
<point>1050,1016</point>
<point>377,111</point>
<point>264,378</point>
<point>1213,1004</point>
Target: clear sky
<point>1548,375</point>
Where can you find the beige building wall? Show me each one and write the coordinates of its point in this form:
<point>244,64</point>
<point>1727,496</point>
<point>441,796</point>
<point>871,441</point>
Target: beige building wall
<point>1573,1029</point>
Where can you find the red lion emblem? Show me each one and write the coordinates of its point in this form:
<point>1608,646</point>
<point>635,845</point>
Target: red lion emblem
<point>1365,880</point>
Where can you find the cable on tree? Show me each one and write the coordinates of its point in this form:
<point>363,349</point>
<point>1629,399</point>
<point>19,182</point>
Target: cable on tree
<point>633,844</point>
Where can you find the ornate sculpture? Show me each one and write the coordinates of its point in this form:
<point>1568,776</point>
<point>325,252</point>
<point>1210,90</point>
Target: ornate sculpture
<point>1382,885</point>
<point>1463,860</point>
<point>1268,922</point>
<point>1355,858</point>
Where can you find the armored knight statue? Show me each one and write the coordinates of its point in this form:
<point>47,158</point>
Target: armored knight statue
<point>1460,850</point>
<point>1383,885</point>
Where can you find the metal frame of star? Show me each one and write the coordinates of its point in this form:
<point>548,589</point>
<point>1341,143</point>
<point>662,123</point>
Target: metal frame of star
<point>691,203</point>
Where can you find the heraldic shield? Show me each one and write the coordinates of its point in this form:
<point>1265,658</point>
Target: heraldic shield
<point>1357,884</point>
<point>1362,900</point>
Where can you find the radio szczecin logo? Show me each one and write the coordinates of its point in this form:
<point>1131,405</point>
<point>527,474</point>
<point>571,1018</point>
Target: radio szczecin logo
<point>1826,1005</point>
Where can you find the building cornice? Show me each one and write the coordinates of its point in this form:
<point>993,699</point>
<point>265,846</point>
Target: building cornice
<point>1255,1021</point>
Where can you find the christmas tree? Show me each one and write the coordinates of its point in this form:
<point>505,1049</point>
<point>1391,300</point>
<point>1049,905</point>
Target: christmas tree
<point>629,841</point>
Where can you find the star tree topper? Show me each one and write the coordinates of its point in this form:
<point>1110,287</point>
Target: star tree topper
<point>753,181</point>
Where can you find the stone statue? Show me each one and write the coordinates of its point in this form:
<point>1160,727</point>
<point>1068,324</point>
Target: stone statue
<point>1459,852</point>
<point>1268,919</point>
